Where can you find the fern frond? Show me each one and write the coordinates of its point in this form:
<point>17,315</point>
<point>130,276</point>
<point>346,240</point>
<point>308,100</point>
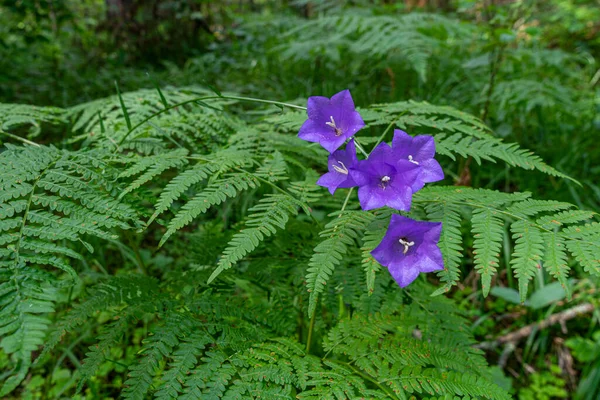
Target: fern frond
<point>340,233</point>
<point>457,132</point>
<point>527,254</point>
<point>450,241</point>
<point>185,359</point>
<point>103,122</point>
<point>555,258</point>
<point>533,223</point>
<point>487,230</point>
<point>217,162</point>
<point>373,236</point>
<point>18,116</point>
<point>26,301</point>
<point>271,212</point>
<point>52,195</point>
<point>156,348</point>
<point>214,194</point>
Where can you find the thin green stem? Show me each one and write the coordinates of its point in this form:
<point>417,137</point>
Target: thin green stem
<point>347,198</point>
<point>390,126</point>
<point>164,110</point>
<point>359,147</point>
<point>19,138</point>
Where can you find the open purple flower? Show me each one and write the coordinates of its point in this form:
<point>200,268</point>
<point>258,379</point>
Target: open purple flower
<point>384,181</point>
<point>340,163</point>
<point>418,150</point>
<point>410,247</point>
<point>331,122</point>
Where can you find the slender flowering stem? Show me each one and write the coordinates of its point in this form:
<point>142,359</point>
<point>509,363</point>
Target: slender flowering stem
<point>390,126</point>
<point>359,147</point>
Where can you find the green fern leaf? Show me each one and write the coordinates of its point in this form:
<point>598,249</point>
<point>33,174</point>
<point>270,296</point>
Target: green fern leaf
<point>527,254</point>
<point>487,231</point>
<point>271,212</point>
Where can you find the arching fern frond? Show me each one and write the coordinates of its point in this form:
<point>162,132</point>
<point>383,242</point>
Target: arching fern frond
<point>541,230</point>
<point>271,212</point>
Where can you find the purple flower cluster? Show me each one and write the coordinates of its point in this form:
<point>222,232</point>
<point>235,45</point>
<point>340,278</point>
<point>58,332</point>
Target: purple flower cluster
<point>389,176</point>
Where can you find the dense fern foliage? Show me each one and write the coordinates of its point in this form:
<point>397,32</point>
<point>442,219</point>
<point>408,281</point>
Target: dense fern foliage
<point>278,229</point>
<point>172,241</point>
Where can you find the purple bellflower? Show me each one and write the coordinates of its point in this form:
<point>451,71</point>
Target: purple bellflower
<point>331,122</point>
<point>410,247</point>
<point>384,181</point>
<point>340,163</point>
<point>418,150</point>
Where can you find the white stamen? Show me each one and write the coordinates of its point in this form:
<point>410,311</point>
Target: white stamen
<point>410,159</point>
<point>385,179</point>
<point>332,124</point>
<point>406,245</point>
<point>342,170</point>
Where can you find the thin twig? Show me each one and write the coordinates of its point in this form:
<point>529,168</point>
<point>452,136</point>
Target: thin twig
<point>516,336</point>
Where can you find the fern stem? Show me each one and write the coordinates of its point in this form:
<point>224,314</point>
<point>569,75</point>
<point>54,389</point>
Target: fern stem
<point>312,318</point>
<point>196,100</point>
<point>368,378</point>
<point>19,138</point>
<point>310,331</point>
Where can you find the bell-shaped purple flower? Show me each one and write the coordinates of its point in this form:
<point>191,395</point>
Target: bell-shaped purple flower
<point>340,163</point>
<point>331,122</point>
<point>410,247</point>
<point>384,181</point>
<point>418,150</point>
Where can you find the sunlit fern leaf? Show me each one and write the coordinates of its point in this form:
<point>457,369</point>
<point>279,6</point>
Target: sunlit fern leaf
<point>531,221</point>
<point>452,129</point>
<point>341,232</point>
<point>271,212</point>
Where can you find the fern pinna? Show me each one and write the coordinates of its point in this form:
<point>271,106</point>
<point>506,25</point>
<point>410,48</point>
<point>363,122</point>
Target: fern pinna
<point>250,279</point>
